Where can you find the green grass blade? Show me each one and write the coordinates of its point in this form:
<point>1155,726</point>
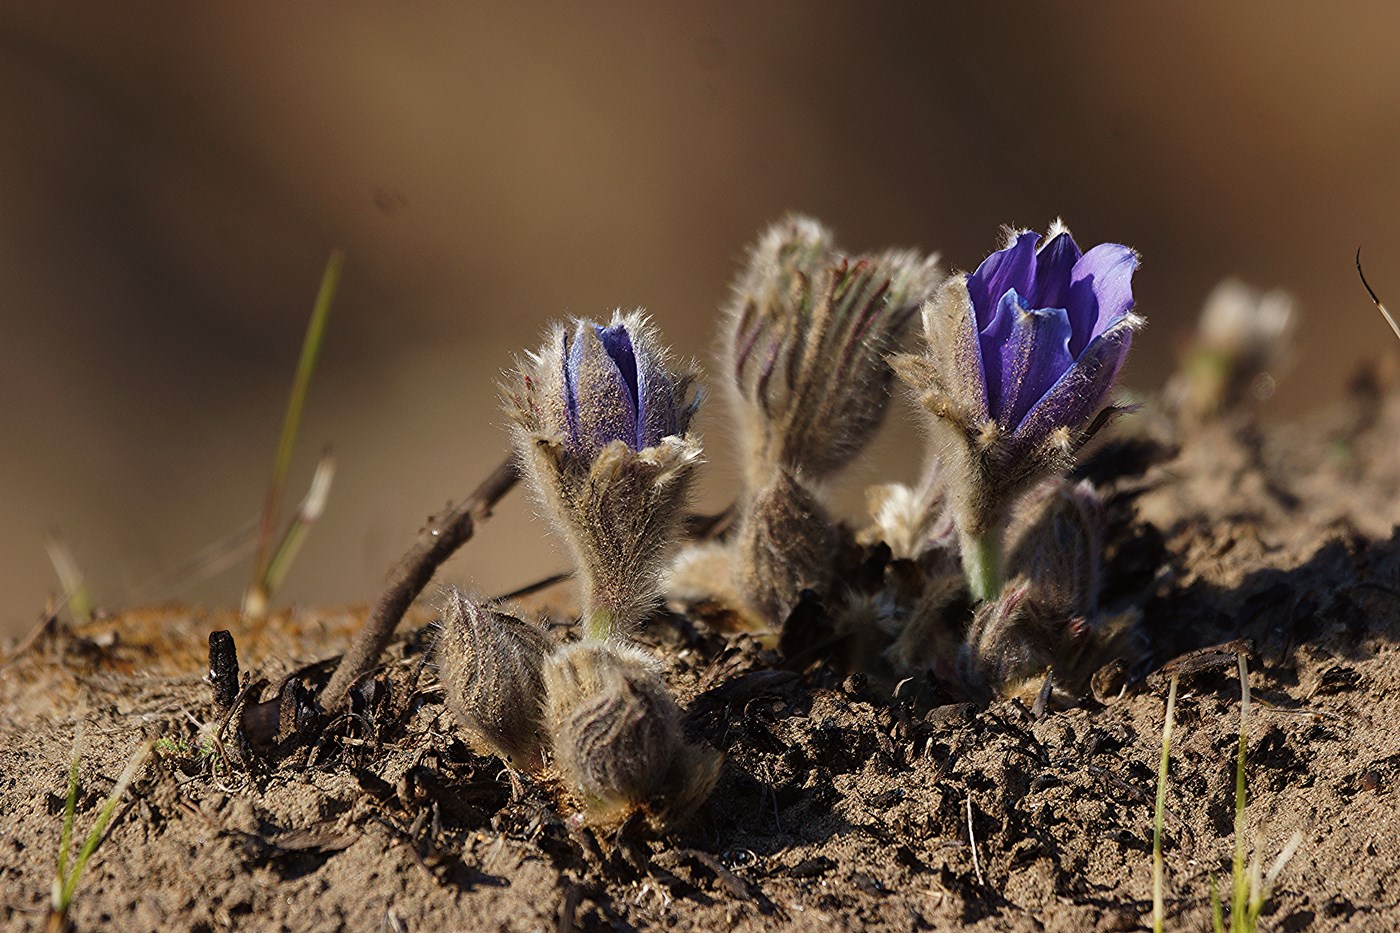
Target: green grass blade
<point>65,836</point>
<point>310,510</point>
<point>1217,914</point>
<point>133,765</point>
<point>306,367</point>
<point>1158,872</point>
<point>70,577</point>
<point>1240,887</point>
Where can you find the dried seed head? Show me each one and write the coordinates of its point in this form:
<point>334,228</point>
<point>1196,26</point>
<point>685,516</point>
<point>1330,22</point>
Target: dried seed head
<point>786,543</point>
<point>808,331</point>
<point>616,734</point>
<point>590,419</point>
<point>492,670</point>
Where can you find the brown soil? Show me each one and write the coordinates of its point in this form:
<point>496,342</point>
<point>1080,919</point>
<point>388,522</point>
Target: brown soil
<point>837,808</point>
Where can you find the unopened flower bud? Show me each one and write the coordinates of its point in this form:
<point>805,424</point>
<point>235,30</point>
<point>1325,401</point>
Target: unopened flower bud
<point>616,734</point>
<point>492,670</point>
<point>786,543</point>
<point>600,426</point>
<point>1057,544</point>
<point>809,329</point>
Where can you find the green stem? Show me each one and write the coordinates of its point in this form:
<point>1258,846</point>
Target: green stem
<point>1239,902</point>
<point>981,557</point>
<point>1158,879</point>
<point>599,624</point>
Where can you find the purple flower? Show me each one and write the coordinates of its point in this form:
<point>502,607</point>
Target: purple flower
<point>1053,329</point>
<point>617,387</point>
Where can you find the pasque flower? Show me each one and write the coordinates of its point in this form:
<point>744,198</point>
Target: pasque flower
<point>1021,356</point>
<point>808,334</point>
<point>601,425</point>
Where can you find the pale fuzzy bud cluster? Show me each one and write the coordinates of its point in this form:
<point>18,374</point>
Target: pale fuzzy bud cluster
<point>601,424</point>
<point>595,714</point>
<point>1243,341</point>
<point>808,333</point>
<point>601,427</point>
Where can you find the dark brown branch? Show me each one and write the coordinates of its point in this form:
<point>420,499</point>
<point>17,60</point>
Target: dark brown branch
<point>444,533</point>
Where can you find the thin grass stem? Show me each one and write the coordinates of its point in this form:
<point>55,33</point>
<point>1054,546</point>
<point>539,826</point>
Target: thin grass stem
<point>307,513</point>
<point>296,404</point>
<point>1239,901</point>
<point>94,837</point>
<point>1159,817</point>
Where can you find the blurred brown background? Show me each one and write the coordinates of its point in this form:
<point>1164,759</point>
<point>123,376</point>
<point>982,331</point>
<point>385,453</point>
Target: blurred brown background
<point>172,177</point>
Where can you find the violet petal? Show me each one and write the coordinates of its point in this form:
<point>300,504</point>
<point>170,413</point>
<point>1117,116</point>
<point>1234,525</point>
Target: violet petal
<point>1054,263</point>
<point>1082,391</point>
<point>607,407</point>
<point>1013,267</point>
<point>991,343</point>
<point>1101,292</point>
<point>1032,360</point>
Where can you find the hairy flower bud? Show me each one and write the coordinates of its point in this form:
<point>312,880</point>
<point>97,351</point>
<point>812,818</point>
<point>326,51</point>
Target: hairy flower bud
<point>808,331</point>
<point>1020,357</point>
<point>616,733</point>
<point>600,422</point>
<point>1243,340</point>
<point>1048,617</point>
<point>492,670</point>
<point>1057,544</point>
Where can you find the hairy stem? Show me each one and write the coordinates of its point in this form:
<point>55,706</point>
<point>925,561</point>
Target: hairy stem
<point>981,557</point>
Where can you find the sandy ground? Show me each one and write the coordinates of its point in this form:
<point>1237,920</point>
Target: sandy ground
<point>838,808</point>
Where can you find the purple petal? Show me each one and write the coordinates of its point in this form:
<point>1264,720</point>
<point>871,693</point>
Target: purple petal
<point>572,356</point>
<point>618,344</point>
<point>1082,391</point>
<point>1033,358</point>
<point>604,399</point>
<point>990,345</point>
<point>1101,292</point>
<point>1053,265</point>
<point>1013,267</point>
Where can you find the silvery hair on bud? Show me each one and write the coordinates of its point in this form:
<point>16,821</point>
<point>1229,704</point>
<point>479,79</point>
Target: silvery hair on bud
<point>616,734</point>
<point>614,489</point>
<point>492,670</point>
<point>806,336</point>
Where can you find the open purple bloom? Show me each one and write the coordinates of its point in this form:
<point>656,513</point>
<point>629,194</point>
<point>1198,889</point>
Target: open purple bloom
<point>617,387</point>
<point>1053,328</point>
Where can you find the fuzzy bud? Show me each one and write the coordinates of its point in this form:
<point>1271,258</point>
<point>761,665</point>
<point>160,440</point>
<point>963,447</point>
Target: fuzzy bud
<point>492,670</point>
<point>808,331</point>
<point>1057,544</point>
<point>1243,340</point>
<point>616,733</point>
<point>600,426</point>
<point>1048,616</point>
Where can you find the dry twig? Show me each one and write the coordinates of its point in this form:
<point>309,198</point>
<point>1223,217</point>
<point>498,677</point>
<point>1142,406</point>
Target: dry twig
<point>439,539</point>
